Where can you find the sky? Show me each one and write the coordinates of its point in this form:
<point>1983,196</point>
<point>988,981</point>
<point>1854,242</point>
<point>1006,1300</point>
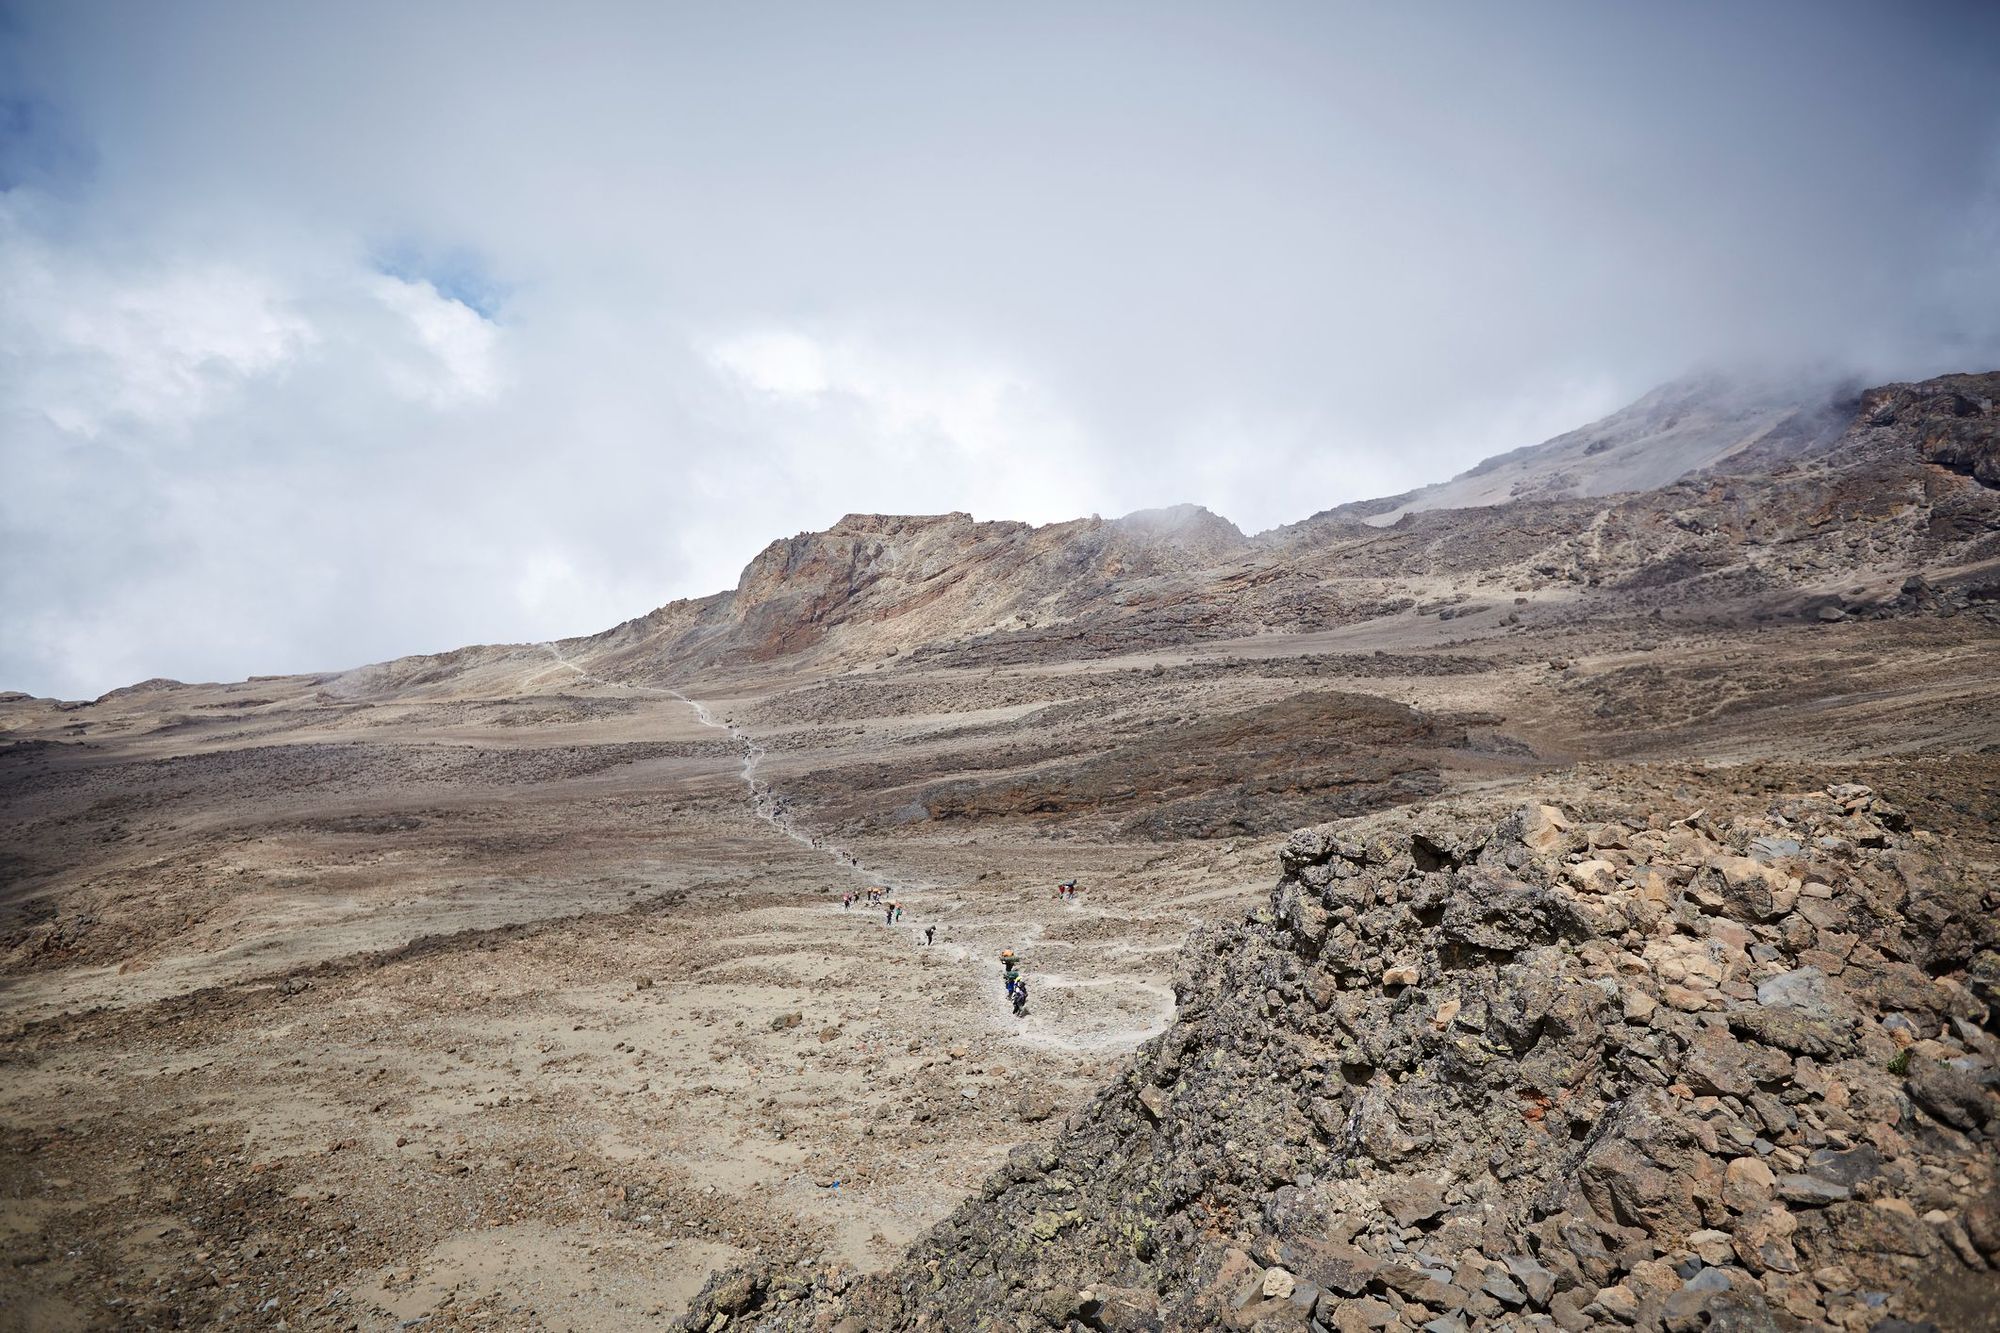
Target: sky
<point>335,332</point>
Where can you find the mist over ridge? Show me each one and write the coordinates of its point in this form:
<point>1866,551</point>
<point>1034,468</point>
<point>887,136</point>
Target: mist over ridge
<point>339,334</point>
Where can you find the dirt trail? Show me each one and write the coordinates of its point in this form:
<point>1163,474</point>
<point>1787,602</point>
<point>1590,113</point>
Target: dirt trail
<point>1131,1010</point>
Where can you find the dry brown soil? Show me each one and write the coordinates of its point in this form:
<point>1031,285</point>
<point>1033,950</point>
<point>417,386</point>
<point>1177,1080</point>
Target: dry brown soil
<point>521,1006</point>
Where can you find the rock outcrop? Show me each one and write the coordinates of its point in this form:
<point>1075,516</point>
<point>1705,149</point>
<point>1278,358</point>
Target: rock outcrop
<point>1955,420</point>
<point>1527,1072</point>
<point>1882,504</point>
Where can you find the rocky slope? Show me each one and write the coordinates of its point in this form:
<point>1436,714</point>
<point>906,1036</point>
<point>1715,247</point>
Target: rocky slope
<point>1729,503</point>
<point>1879,503</point>
<point>1703,423</point>
<point>1713,1070</point>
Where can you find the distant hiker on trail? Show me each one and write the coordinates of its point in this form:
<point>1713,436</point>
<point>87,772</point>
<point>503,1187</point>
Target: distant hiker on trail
<point>930,934</point>
<point>1010,970</point>
<point>899,911</point>
<point>889,915</point>
<point>1018,993</point>
<point>846,900</point>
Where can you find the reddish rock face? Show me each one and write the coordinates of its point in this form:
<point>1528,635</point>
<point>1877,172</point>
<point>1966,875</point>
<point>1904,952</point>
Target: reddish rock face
<point>1908,484</point>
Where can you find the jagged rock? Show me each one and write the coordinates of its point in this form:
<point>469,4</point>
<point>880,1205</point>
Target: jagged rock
<point>1849,1167</point>
<point>1711,1247</point>
<point>1982,1223</point>
<point>1795,1031</point>
<point>1718,1066</point>
<point>1748,889</point>
<point>1949,1093</point>
<point>1499,1105</point>
<point>1648,1172</point>
<point>1803,1191</point>
<point>1338,1269</point>
<point>1540,828</point>
<point>1763,1241</point>
<point>1504,1289</point>
<point>1802,988</point>
<point>1413,1201</point>
<point>1568,1310</point>
<point>1748,1185</point>
<point>1359,1316</point>
<point>1120,1309</point>
<point>1538,1281</point>
<point>1619,1302</point>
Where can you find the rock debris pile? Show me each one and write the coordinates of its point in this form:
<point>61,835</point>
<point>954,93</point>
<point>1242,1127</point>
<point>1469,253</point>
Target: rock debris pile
<point>1668,1074</point>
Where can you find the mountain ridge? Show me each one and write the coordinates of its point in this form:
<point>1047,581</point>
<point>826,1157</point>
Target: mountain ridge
<point>875,585</point>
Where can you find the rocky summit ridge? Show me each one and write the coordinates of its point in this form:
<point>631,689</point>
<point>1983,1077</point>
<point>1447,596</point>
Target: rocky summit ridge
<point>1712,421</point>
<point>1884,502</point>
<point>1539,1070</point>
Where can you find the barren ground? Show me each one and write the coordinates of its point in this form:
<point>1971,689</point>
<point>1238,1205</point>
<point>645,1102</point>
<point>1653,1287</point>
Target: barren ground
<point>525,1008</point>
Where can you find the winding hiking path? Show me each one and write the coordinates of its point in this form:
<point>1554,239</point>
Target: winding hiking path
<point>983,930</point>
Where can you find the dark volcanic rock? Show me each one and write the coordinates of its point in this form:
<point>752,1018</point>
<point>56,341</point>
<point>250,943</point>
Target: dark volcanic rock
<point>1955,420</point>
<point>1414,1089</point>
<point>1318,755</point>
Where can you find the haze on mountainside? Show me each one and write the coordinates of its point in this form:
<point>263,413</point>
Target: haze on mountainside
<point>332,335</point>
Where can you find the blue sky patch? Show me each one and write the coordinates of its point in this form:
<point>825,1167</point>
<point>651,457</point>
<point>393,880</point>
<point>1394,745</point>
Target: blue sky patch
<point>455,272</point>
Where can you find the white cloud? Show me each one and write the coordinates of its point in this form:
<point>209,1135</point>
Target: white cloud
<point>908,424</point>
<point>760,274</point>
<point>773,361</point>
<point>454,359</point>
<point>86,344</point>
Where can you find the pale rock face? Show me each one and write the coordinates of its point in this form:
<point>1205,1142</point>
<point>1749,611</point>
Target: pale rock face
<point>1543,827</point>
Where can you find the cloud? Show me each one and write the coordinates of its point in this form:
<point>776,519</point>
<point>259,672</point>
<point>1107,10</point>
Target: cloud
<point>991,427</point>
<point>331,334</point>
<point>86,344</point>
<point>458,345</point>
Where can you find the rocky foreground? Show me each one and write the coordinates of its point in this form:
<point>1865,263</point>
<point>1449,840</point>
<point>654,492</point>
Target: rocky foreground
<point>508,987</point>
<point>1656,1072</point>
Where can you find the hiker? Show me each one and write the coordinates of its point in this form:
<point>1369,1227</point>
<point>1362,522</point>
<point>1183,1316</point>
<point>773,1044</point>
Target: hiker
<point>847,900</point>
<point>930,934</point>
<point>1018,993</point>
<point>899,911</point>
<point>889,915</point>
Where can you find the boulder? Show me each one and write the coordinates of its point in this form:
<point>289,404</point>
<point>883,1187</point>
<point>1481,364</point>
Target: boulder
<point>1949,1093</point>
<point>1802,988</point>
<point>1413,1200</point>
